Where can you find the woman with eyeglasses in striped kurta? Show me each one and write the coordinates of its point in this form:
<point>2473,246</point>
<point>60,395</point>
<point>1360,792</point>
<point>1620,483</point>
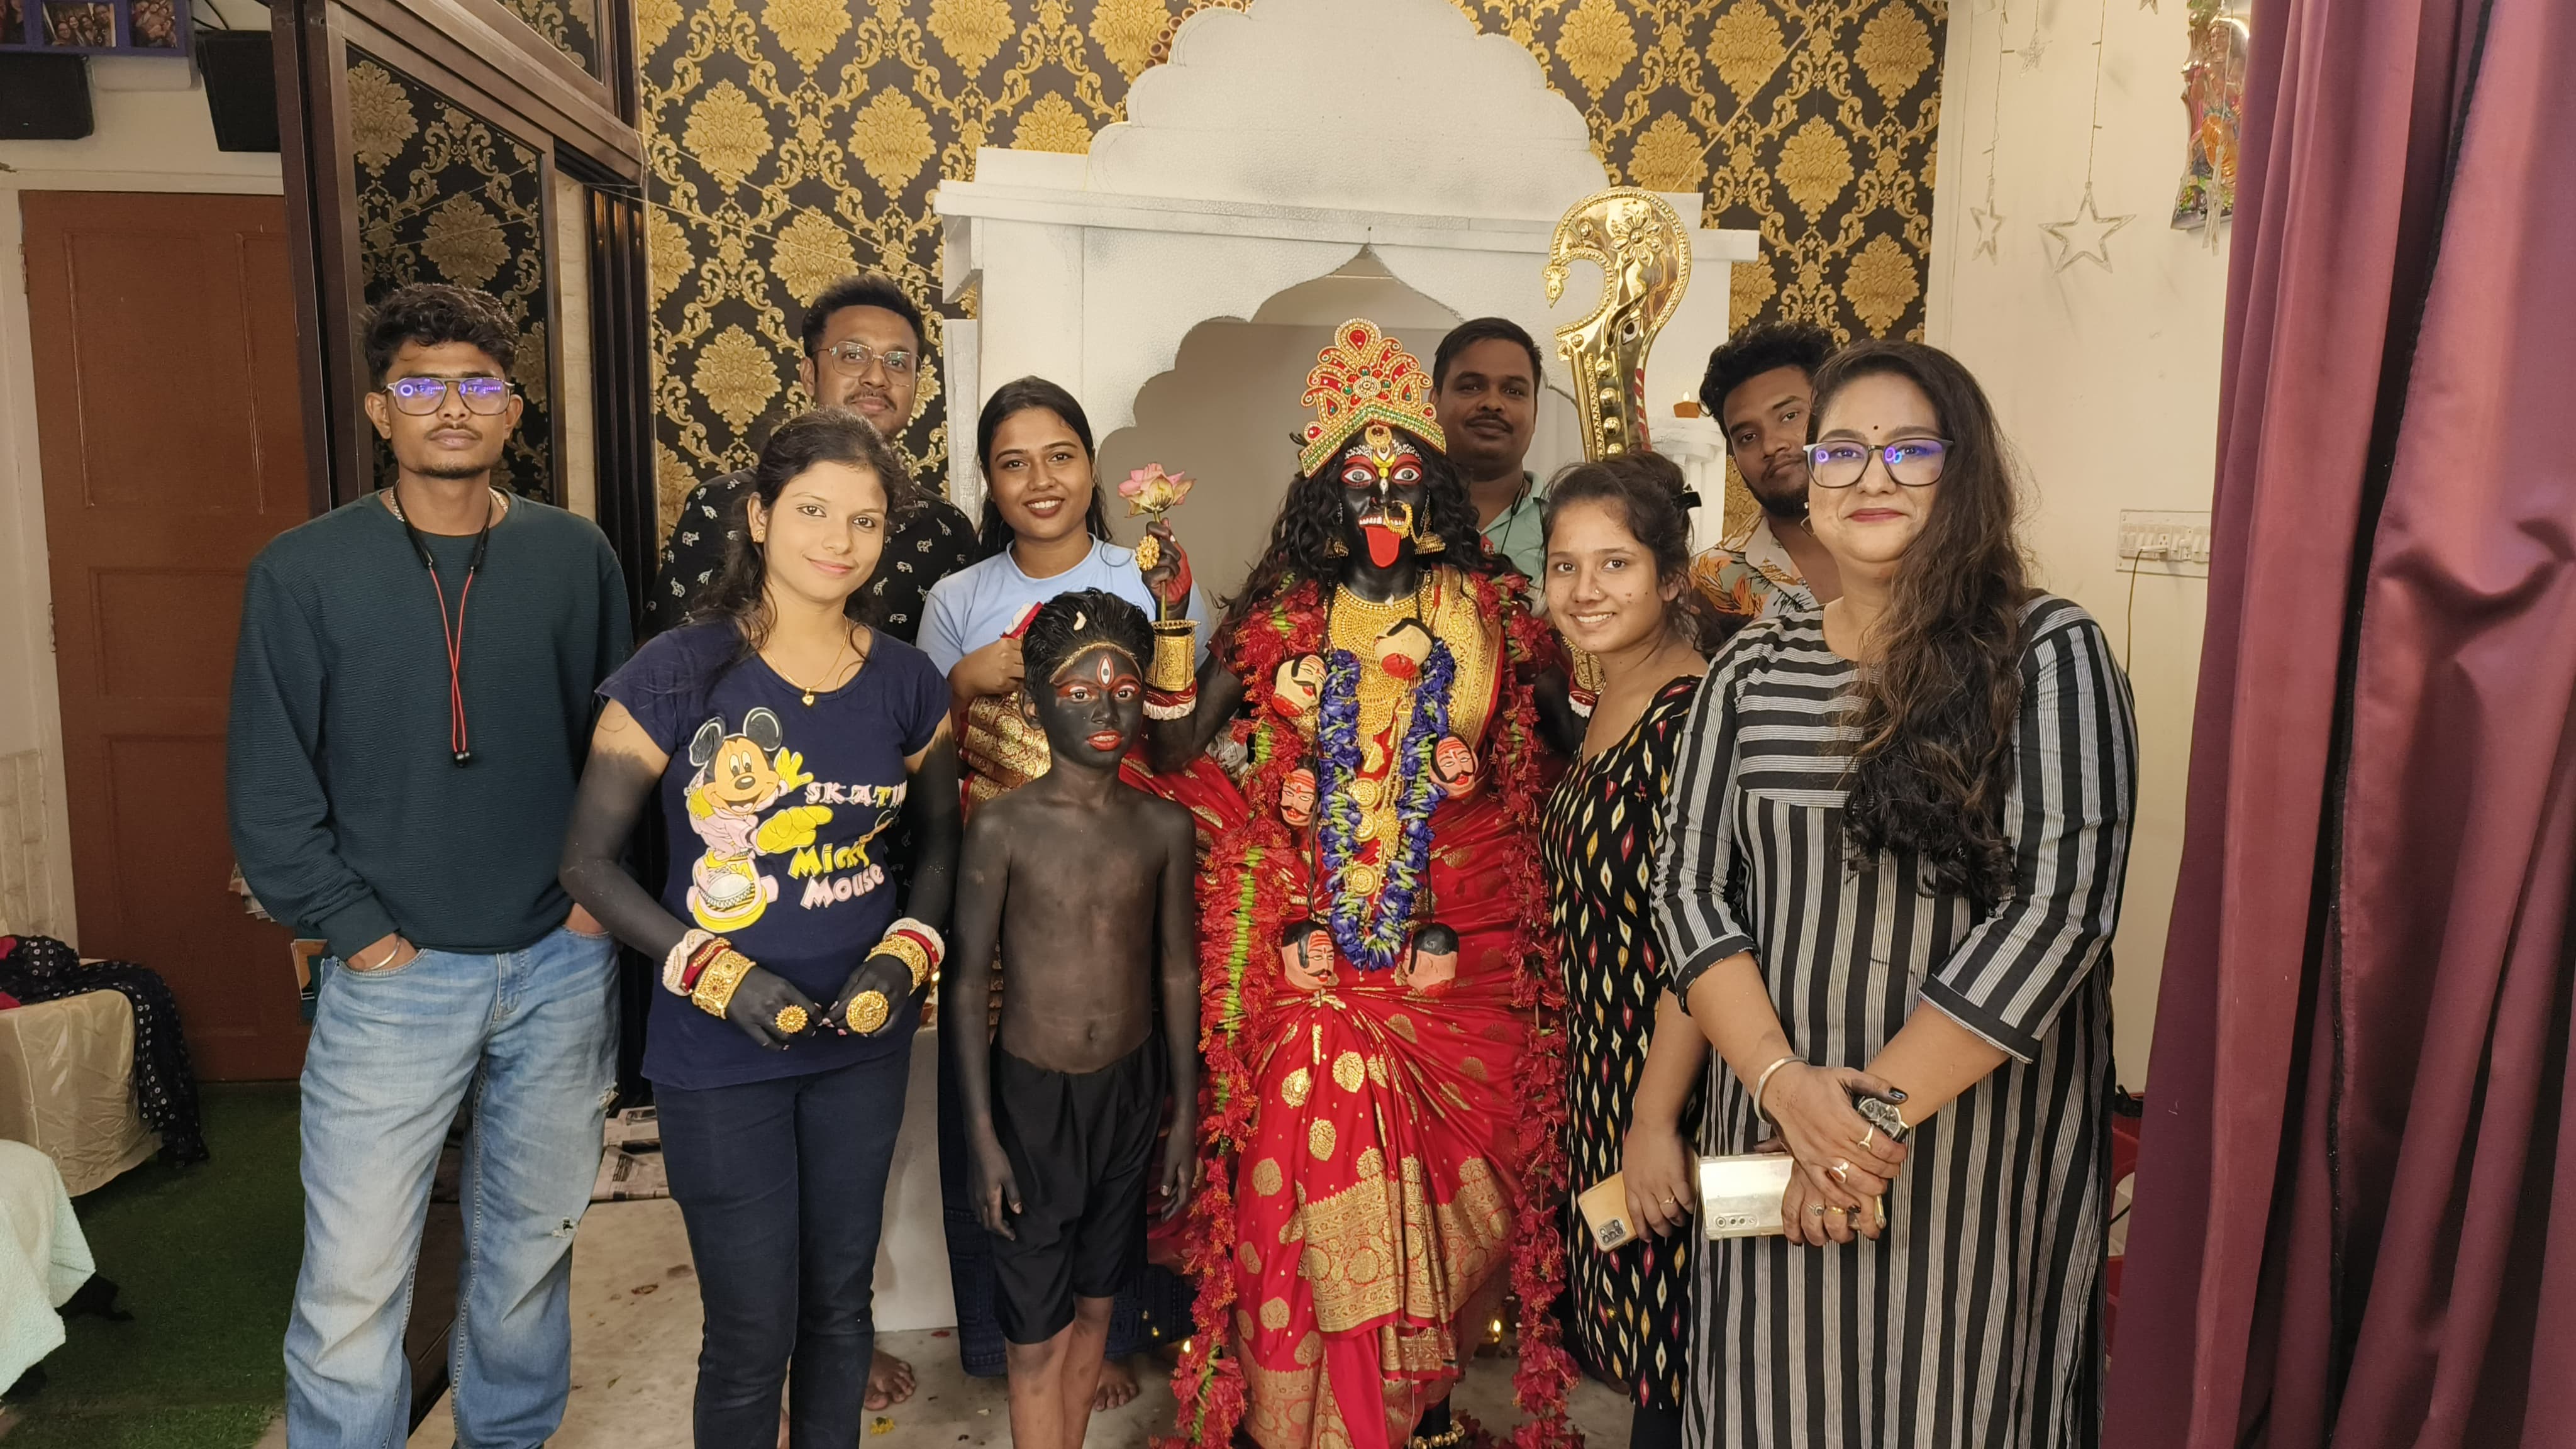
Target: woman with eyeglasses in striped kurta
<point>1893,860</point>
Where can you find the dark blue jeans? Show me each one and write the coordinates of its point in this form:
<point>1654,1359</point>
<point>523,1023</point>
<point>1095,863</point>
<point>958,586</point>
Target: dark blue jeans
<point>782,1184</point>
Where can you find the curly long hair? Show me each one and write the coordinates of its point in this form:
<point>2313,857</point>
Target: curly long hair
<point>740,590</point>
<point>1310,524</point>
<point>1937,709</point>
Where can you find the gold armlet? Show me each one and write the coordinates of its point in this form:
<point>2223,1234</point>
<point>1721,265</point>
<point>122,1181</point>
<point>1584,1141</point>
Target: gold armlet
<point>905,949</point>
<point>717,983</point>
<point>1176,646</point>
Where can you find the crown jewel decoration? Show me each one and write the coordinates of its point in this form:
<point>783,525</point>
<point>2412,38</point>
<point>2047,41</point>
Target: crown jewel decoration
<point>1364,377</point>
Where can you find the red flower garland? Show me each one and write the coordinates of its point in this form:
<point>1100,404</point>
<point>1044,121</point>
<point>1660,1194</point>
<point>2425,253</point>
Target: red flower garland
<point>1242,906</point>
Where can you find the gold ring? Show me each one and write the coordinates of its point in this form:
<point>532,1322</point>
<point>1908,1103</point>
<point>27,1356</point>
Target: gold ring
<point>868,1011</point>
<point>1841,1173</point>
<point>1869,1136</point>
<point>791,1019</point>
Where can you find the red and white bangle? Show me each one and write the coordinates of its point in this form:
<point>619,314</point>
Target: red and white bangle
<point>682,965</point>
<point>917,946</point>
<point>1162,705</point>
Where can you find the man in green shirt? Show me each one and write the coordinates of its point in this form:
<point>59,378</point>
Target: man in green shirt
<point>411,707</point>
<point>1484,391</point>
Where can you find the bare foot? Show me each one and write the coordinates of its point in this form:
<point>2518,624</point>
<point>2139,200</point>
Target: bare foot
<point>889,1381</point>
<point>1117,1386</point>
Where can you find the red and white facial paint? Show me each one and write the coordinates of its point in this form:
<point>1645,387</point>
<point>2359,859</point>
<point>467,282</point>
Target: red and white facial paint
<point>1382,463</point>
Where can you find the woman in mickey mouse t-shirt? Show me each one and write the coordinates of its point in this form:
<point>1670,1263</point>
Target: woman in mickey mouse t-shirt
<point>786,743</point>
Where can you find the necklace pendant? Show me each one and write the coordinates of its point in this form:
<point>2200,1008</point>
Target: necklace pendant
<point>1364,794</point>
<point>809,699</point>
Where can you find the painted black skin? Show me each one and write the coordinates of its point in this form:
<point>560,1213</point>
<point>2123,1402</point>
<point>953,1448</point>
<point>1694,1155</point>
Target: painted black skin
<point>1085,883</point>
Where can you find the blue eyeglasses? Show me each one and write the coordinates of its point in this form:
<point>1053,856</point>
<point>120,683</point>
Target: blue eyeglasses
<point>1913,462</point>
<point>421,396</point>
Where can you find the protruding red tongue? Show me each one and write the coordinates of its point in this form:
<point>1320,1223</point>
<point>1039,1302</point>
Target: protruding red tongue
<point>1383,543</point>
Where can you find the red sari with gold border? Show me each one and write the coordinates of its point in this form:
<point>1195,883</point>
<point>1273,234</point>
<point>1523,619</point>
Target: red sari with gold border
<point>1390,1143</point>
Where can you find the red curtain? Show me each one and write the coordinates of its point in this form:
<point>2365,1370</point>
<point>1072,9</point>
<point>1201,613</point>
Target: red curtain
<point>2342,1230</point>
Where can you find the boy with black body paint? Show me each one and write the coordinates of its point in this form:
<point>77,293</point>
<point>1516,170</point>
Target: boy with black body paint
<point>1085,884</point>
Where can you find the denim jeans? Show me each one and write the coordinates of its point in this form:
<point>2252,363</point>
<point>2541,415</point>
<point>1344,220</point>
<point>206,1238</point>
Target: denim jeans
<point>782,1184</point>
<point>533,1035</point>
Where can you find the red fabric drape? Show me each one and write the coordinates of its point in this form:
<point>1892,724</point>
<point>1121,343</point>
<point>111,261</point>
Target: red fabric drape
<point>2342,1228</point>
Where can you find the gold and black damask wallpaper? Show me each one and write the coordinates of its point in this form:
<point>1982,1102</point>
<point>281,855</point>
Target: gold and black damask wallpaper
<point>443,196</point>
<point>794,140</point>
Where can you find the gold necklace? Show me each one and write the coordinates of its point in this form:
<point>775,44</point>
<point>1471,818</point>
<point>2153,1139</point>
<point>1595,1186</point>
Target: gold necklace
<point>807,690</point>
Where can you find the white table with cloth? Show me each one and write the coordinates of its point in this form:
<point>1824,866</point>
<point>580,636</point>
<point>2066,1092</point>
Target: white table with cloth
<point>43,1258</point>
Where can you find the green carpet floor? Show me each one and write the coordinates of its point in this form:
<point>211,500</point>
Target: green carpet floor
<point>204,1258</point>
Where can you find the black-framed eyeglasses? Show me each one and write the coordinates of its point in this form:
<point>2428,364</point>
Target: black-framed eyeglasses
<point>1913,462</point>
<point>852,358</point>
<point>421,396</point>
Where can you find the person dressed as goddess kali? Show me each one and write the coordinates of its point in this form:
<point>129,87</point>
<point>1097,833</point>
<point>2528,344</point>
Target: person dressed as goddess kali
<point>1383,1154</point>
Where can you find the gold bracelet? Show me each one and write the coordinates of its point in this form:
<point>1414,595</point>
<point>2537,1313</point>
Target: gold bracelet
<point>1176,643</point>
<point>716,984</point>
<point>910,953</point>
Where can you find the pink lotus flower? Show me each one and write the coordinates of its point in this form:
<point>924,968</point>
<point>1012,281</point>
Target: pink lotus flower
<point>1151,490</point>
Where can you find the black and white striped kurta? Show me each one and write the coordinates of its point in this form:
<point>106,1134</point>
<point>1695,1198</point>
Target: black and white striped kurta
<point>1976,1319</point>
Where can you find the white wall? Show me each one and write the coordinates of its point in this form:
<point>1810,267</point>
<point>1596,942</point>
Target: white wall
<point>153,133</point>
<point>2106,379</point>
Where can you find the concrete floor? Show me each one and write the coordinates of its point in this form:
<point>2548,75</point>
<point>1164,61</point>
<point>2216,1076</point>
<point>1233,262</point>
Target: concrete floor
<point>635,1342</point>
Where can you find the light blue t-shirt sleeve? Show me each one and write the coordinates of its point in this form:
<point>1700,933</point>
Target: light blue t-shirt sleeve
<point>943,632</point>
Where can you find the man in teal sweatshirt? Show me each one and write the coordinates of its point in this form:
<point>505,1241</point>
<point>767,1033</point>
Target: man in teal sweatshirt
<point>412,702</point>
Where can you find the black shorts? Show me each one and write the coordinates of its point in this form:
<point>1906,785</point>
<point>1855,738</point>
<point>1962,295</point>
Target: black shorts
<point>1082,1148</point>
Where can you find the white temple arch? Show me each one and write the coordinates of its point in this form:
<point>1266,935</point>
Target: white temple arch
<point>1275,145</point>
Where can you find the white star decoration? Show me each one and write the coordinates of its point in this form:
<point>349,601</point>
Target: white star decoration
<point>2085,234</point>
<point>1990,225</point>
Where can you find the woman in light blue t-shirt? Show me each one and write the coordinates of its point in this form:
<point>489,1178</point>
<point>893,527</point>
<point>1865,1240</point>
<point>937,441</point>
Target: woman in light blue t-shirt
<point>1045,532</point>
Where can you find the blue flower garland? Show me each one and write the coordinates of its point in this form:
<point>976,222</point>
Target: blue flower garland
<point>1377,943</point>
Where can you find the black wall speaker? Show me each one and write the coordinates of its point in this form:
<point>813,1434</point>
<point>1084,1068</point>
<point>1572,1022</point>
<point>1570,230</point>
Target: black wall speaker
<point>44,98</point>
<point>241,88</point>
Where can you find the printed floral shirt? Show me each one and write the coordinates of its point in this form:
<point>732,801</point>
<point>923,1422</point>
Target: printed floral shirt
<point>1751,576</point>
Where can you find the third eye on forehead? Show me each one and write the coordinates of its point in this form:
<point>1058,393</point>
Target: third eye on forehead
<point>1101,664</point>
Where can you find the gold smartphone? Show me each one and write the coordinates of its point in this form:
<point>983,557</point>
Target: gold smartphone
<point>1605,1211</point>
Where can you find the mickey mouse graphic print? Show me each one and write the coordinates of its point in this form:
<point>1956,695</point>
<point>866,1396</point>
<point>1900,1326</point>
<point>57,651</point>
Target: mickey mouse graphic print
<point>779,814</point>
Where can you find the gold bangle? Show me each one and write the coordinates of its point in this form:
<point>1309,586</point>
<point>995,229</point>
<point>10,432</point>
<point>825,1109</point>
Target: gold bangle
<point>717,983</point>
<point>1175,665</point>
<point>868,1011</point>
<point>910,953</point>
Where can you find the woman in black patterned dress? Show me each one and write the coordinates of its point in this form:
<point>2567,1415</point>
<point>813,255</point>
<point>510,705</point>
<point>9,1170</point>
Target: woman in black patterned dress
<point>1617,571</point>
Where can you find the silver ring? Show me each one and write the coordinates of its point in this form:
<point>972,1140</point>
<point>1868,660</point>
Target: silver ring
<point>1813,1208</point>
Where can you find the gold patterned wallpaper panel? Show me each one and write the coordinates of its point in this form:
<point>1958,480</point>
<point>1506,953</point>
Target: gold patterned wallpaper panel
<point>445,197</point>
<point>792,141</point>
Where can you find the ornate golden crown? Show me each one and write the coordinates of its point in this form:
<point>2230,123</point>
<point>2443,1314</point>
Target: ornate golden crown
<point>1364,377</point>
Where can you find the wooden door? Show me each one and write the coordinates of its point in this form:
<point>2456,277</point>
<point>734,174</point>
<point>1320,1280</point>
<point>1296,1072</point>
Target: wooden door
<point>169,423</point>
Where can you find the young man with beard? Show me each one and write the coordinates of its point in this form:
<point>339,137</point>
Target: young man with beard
<point>411,707</point>
<point>1761,387</point>
<point>1484,391</point>
<point>863,351</point>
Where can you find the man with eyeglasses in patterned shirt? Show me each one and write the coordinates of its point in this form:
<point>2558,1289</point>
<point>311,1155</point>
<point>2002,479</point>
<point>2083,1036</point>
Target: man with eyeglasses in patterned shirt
<point>863,351</point>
